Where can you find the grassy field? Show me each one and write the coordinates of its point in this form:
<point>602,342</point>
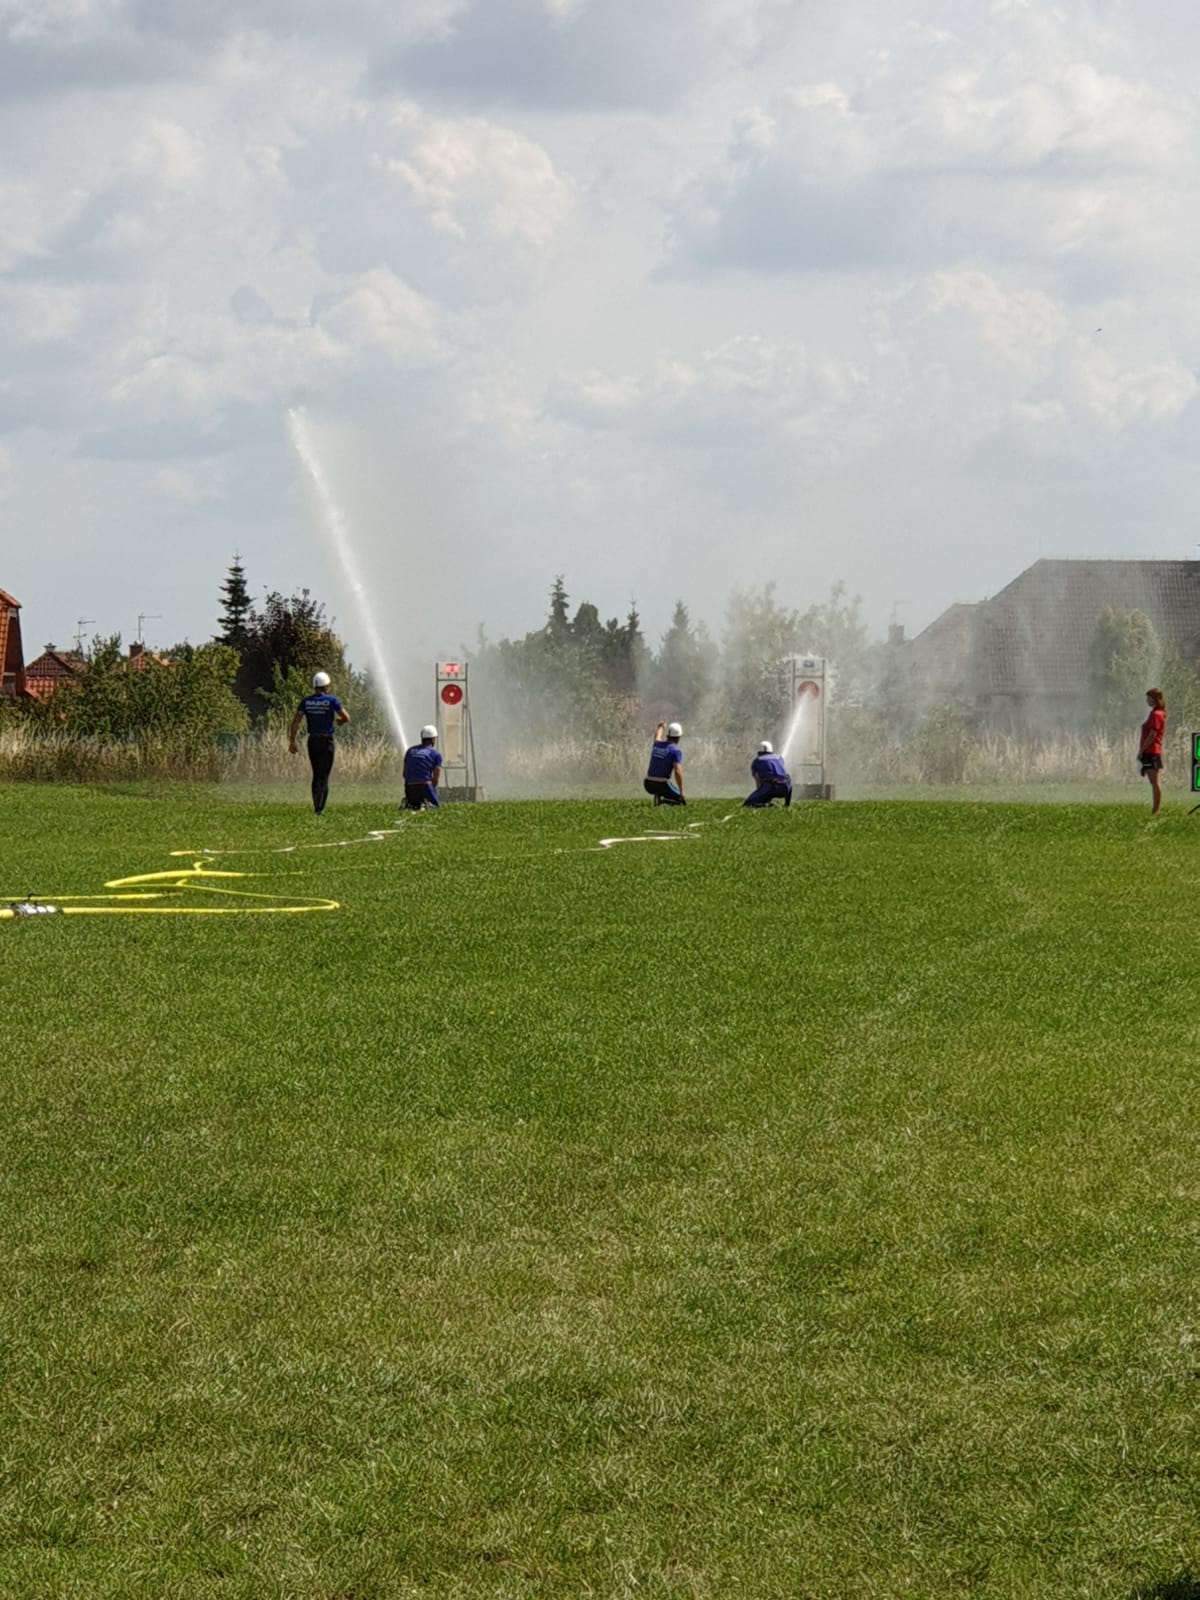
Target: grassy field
<point>805,1208</point>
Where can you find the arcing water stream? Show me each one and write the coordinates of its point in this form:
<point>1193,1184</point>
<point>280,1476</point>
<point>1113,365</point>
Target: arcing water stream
<point>791,739</point>
<point>334,527</point>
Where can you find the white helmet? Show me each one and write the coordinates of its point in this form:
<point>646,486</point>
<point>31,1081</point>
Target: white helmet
<point>765,748</point>
<point>674,730</point>
<point>320,680</point>
<point>429,731</point>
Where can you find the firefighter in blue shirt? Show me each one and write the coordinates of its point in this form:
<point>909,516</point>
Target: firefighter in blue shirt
<point>422,771</point>
<point>664,779</point>
<point>322,711</point>
<point>770,774</point>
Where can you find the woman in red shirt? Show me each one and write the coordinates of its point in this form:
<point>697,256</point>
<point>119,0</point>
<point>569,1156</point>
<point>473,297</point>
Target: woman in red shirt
<point>1150,747</point>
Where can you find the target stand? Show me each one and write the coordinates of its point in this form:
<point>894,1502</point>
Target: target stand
<point>808,684</point>
<point>456,738</point>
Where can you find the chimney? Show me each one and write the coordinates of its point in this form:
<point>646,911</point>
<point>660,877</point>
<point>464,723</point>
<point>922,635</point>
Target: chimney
<point>895,633</point>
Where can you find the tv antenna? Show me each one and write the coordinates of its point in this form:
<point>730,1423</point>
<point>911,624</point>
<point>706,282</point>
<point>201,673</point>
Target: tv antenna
<point>80,625</point>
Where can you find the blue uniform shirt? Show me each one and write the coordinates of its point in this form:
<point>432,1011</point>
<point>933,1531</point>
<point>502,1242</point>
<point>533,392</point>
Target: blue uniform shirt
<point>420,763</point>
<point>769,769</point>
<point>319,712</point>
<point>663,757</point>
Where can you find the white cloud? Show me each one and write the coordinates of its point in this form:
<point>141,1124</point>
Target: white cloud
<point>41,313</point>
<point>1095,388</point>
<point>187,266</point>
<point>58,46</point>
<point>479,182</point>
<point>64,21</point>
<point>193,485</point>
<point>197,368</point>
<point>167,153</point>
<point>958,346</point>
<point>986,153</point>
<point>747,392</point>
<point>979,360</point>
<point>576,53</point>
<point>382,319</point>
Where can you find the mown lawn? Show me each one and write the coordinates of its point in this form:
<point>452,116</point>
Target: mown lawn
<point>803,1209</point>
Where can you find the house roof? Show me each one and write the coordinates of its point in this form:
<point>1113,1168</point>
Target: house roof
<point>7,599</point>
<point>139,658</point>
<point>951,624</point>
<point>54,664</point>
<point>940,653</point>
<point>1035,634</point>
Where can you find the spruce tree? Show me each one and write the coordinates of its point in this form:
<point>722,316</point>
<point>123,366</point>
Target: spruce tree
<point>235,607</point>
<point>558,625</point>
<point>684,668</point>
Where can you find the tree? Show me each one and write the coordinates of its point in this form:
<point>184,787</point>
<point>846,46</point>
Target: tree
<point>289,686</point>
<point>235,606</point>
<point>623,655</point>
<point>1180,685</point>
<point>759,635</point>
<point>289,636</point>
<point>834,630</point>
<point>571,677</point>
<point>1123,659</point>
<point>186,696</point>
<point>682,673</point>
<point>587,634</point>
<point>558,628</point>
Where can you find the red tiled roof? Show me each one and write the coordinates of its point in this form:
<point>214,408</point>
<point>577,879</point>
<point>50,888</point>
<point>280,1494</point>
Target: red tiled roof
<point>54,664</point>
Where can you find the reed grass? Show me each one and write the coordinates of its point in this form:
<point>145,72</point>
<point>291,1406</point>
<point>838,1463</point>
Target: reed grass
<point>565,766</point>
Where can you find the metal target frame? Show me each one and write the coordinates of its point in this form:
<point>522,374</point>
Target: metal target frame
<point>810,678</point>
<point>456,736</point>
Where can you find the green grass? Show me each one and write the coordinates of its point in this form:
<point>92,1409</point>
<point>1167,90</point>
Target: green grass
<point>804,1210</point>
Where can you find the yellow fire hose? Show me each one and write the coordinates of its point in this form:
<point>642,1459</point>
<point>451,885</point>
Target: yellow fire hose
<point>170,887</point>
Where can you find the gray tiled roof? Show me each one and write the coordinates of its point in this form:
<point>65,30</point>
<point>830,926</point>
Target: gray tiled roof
<point>1034,634</point>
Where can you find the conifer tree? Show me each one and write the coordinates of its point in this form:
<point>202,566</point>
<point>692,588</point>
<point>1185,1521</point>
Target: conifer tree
<point>684,668</point>
<point>558,625</point>
<point>235,607</point>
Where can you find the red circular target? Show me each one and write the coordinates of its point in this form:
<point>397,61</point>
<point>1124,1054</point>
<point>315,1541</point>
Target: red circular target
<point>808,687</point>
<point>452,693</point>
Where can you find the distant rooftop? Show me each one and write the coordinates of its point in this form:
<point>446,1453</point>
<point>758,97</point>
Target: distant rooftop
<point>1041,624</point>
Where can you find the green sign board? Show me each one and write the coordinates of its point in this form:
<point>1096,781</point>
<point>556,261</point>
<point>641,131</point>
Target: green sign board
<point>1196,763</point>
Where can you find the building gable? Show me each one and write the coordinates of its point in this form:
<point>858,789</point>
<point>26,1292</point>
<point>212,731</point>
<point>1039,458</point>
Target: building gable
<point>12,661</point>
<point>1022,656</point>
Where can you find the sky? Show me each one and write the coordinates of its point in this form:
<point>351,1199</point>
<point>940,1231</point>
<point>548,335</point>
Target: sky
<point>666,296</point>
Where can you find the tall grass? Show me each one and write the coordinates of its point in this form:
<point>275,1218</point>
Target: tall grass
<point>719,765</point>
<point>64,758</point>
<point>713,765</point>
<point>998,759</point>
<point>266,760</point>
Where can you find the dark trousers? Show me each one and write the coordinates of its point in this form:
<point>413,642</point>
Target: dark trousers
<point>320,759</point>
<point>766,792</point>
<point>664,791</point>
<point>417,795</point>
